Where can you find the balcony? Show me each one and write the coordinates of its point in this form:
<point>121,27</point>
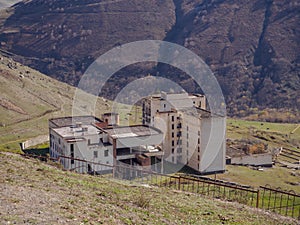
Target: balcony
<point>132,153</point>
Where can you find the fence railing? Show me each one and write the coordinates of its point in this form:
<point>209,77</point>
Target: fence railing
<point>286,203</point>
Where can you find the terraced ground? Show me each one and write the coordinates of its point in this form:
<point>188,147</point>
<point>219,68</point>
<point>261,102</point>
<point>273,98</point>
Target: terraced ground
<point>284,173</point>
<point>283,138</point>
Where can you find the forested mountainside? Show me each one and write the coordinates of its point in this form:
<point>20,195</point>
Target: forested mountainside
<point>251,46</point>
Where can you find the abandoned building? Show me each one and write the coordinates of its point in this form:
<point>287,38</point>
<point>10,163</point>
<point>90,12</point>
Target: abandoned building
<point>104,142</point>
<point>248,153</point>
<point>186,125</point>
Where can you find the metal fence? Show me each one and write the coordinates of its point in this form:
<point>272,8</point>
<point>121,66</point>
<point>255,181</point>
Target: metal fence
<point>286,203</point>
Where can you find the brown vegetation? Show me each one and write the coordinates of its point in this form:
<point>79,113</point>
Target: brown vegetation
<point>252,47</point>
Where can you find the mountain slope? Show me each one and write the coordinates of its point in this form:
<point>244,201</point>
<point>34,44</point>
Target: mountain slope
<point>61,38</point>
<point>28,99</point>
<point>251,46</point>
<point>36,193</point>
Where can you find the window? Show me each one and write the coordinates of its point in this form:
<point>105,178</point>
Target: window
<point>187,136</point>
<point>198,132</point>
<point>172,150</point>
<point>172,118</point>
<point>172,134</point>
<point>187,144</point>
<point>95,154</point>
<point>179,150</point>
<point>89,141</point>
<point>198,157</point>
<point>198,149</point>
<point>172,143</point>
<point>172,126</point>
<point>187,128</point>
<point>198,140</point>
<point>72,153</point>
<point>105,153</point>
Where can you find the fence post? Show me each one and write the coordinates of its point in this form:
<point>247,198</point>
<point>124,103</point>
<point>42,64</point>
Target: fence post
<point>179,183</point>
<point>257,199</point>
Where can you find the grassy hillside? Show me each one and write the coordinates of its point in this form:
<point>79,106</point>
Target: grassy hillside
<point>276,176</point>
<point>37,193</point>
<point>273,134</point>
<point>28,99</point>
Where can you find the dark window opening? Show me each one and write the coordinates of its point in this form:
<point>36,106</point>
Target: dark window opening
<point>72,153</point>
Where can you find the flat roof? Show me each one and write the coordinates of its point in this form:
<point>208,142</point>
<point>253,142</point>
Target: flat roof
<point>195,111</point>
<point>131,131</point>
<point>69,121</point>
<point>66,132</point>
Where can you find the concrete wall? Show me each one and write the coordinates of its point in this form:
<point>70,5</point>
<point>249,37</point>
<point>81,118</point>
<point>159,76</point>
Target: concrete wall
<point>163,121</point>
<point>34,141</point>
<point>253,160</point>
<point>213,144</point>
<point>191,132</point>
<point>82,150</point>
<point>201,148</point>
<point>177,101</point>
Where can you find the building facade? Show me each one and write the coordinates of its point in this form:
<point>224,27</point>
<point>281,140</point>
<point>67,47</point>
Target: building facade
<point>187,126</point>
<point>98,143</point>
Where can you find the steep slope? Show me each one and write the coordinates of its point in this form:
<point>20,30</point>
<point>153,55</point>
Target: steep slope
<point>61,38</point>
<point>28,99</point>
<point>251,46</point>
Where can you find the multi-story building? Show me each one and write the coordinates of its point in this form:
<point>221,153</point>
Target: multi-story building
<point>187,125</point>
<point>102,142</point>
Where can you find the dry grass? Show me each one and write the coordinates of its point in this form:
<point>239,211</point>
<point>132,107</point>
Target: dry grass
<point>36,193</point>
<point>273,134</point>
<point>29,98</point>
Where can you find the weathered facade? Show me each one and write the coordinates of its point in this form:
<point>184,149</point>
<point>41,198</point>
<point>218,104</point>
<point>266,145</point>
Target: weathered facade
<point>93,140</point>
<point>187,128</point>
